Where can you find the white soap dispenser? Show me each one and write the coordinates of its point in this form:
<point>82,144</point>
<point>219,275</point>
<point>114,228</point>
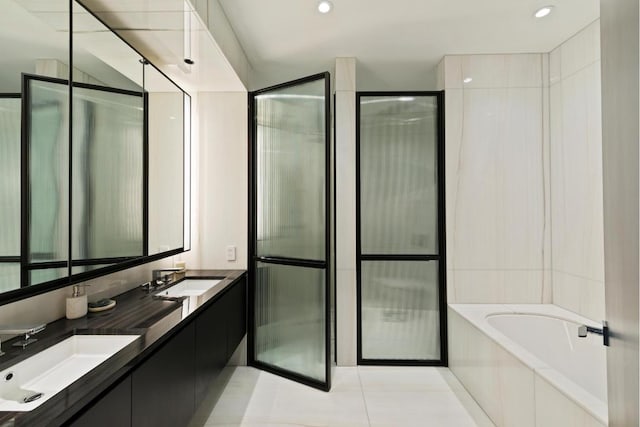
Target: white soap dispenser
<point>77,303</point>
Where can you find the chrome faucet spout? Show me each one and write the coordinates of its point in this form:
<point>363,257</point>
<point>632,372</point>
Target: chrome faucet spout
<point>158,279</point>
<point>27,330</point>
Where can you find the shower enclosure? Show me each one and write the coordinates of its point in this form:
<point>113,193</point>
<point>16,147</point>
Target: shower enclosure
<point>400,235</point>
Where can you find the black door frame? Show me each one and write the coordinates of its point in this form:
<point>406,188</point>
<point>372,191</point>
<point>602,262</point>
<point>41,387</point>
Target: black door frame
<point>252,243</point>
<point>440,257</point>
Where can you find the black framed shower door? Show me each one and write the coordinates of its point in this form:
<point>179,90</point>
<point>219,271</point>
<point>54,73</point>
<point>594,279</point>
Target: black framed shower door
<point>290,297</point>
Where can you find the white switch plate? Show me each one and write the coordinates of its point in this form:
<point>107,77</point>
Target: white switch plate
<point>231,253</point>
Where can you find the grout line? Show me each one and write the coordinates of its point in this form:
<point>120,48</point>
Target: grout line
<point>364,399</point>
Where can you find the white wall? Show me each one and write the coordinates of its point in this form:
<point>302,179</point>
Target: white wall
<point>576,174</point>
<point>496,179</point>
<point>222,201</point>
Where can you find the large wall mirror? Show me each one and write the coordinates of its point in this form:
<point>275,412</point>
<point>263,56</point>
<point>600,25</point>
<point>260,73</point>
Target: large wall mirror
<point>94,185</point>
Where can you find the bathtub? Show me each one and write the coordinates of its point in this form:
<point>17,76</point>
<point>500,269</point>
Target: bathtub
<point>526,366</point>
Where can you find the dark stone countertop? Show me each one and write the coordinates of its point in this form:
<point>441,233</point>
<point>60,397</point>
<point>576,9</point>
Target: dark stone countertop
<point>136,313</point>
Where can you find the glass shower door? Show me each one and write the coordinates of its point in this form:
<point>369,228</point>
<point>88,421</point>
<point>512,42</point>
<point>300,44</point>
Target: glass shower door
<point>400,243</point>
<point>289,280</point>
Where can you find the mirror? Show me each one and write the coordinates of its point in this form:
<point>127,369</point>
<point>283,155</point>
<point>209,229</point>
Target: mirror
<point>35,42</point>
<point>108,223</point>
<point>106,189</point>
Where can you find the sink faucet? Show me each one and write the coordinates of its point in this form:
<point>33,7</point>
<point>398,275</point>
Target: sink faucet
<point>27,330</point>
<point>584,329</point>
<point>159,279</point>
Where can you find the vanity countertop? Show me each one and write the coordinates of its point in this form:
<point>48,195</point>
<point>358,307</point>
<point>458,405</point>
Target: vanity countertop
<point>136,313</point>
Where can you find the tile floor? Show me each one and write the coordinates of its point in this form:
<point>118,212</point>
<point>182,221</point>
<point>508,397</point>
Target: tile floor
<point>362,396</point>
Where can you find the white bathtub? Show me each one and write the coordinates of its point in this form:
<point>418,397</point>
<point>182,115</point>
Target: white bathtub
<point>526,366</point>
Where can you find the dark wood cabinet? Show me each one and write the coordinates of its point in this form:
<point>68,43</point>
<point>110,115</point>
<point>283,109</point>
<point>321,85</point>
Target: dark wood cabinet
<point>166,388</point>
<point>113,409</point>
<point>211,346</point>
<point>163,386</point>
<point>236,305</point>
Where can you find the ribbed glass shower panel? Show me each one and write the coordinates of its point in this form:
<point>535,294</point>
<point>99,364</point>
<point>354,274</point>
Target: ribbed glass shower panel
<point>398,174</point>
<point>290,319</point>
<point>290,169</point>
<point>48,173</point>
<point>108,153</point>
<point>400,310</point>
<point>10,183</point>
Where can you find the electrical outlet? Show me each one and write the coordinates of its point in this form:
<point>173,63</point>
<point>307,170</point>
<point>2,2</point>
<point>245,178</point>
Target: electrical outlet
<point>231,253</point>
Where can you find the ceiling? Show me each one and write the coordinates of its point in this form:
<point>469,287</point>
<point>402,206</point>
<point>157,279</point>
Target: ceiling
<point>397,44</point>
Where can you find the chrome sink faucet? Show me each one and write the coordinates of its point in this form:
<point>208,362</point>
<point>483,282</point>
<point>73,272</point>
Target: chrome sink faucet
<point>584,329</point>
<point>27,330</point>
<point>160,279</point>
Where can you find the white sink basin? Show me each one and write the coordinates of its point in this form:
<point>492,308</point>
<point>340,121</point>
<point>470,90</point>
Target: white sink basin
<point>54,369</point>
<point>189,288</point>
<point>197,291</point>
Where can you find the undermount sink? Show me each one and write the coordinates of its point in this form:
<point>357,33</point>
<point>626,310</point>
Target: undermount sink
<point>197,291</point>
<point>189,288</point>
<point>28,384</point>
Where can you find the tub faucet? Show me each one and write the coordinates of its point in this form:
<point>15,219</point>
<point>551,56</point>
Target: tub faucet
<point>584,329</point>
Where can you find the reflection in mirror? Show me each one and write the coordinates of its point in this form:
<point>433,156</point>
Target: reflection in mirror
<point>108,176</point>
<point>108,159</point>
<point>47,148</point>
<point>10,106</point>
<point>166,162</point>
<point>35,40</point>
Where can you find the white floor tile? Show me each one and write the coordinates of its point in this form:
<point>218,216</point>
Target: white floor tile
<point>416,408</point>
<point>360,397</point>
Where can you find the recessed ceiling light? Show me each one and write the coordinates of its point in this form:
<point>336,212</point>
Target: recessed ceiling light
<point>543,11</point>
<point>467,80</point>
<point>324,6</point>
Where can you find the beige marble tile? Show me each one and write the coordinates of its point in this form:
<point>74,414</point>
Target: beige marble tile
<point>501,71</point>
<point>495,286</point>
<point>345,181</point>
<point>452,72</point>
<point>502,385</point>
<point>345,74</point>
<point>497,211</point>
<point>555,64</point>
<point>576,193</point>
<point>553,409</point>
<point>581,50</point>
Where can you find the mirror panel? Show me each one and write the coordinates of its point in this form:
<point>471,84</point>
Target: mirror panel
<point>166,161</point>
<point>125,181</point>
<point>108,173</point>
<point>35,41</point>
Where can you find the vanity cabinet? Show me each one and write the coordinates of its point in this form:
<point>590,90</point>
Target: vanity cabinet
<point>236,303</point>
<point>162,389</point>
<point>113,409</point>
<point>166,387</point>
<point>211,345</point>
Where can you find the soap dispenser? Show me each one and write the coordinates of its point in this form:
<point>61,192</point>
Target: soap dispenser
<point>77,303</point>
